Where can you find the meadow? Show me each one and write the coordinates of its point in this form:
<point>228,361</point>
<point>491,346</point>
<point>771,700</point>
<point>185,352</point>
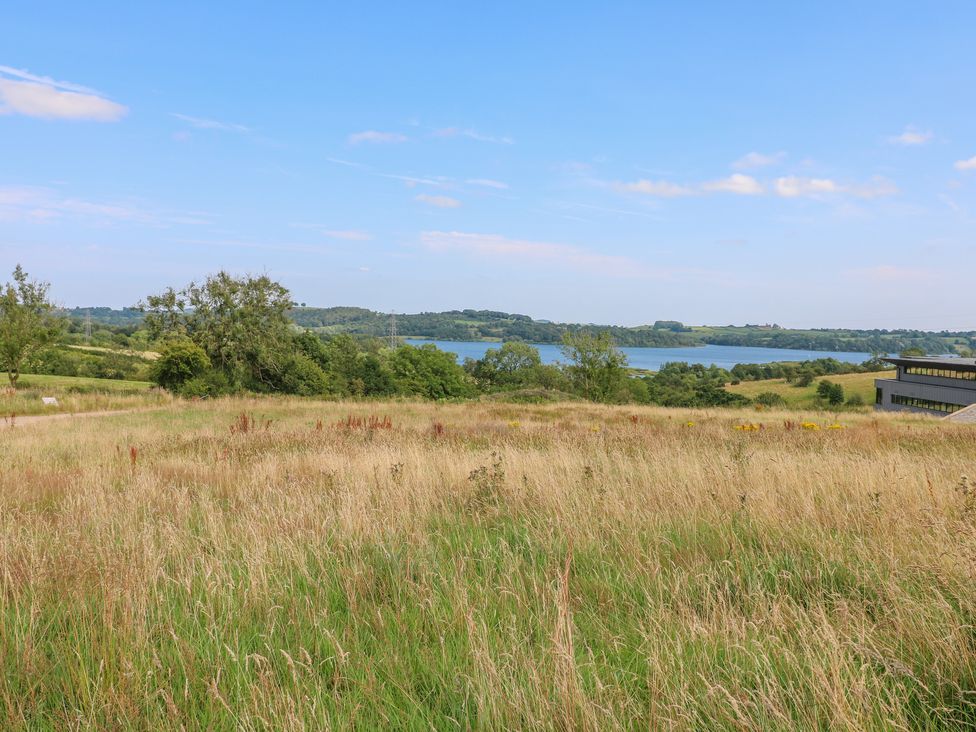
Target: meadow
<point>75,395</point>
<point>288,564</point>
<point>805,397</point>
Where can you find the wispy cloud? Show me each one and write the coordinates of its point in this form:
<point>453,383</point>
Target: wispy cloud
<point>969,164</point>
<point>501,247</point>
<point>347,234</point>
<point>472,135</point>
<point>797,187</point>
<point>201,123</point>
<point>910,137</point>
<point>22,92</point>
<point>743,185</point>
<point>41,204</point>
<point>376,137</point>
<point>660,188</point>
<point>892,273</point>
<point>438,201</point>
<point>487,183</point>
<point>758,160</point>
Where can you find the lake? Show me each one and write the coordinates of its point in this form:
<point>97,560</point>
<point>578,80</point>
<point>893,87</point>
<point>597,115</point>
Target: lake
<point>653,358</point>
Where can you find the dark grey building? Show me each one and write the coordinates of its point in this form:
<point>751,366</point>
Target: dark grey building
<point>937,386</point>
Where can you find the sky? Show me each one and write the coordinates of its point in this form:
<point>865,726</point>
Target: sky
<point>809,164</point>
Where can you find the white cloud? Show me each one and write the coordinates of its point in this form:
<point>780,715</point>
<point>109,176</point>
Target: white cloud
<point>796,187</point>
<point>43,97</point>
<point>743,185</point>
<point>911,136</point>
<point>473,135</point>
<point>969,164</point>
<point>661,188</point>
<point>501,247</point>
<point>758,160</point>
<point>374,136</point>
<point>488,183</point>
<point>439,201</point>
<point>211,124</point>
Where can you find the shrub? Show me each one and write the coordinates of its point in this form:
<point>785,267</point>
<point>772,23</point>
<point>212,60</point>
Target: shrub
<point>180,360</point>
<point>830,392</point>
<point>770,399</point>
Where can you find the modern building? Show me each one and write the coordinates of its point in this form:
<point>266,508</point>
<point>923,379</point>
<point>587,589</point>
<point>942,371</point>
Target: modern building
<point>937,386</point>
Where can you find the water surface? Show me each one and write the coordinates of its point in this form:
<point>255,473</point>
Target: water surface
<point>653,358</point>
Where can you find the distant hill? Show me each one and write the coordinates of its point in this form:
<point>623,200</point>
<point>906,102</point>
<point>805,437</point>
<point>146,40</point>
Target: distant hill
<point>475,325</point>
<point>493,325</point>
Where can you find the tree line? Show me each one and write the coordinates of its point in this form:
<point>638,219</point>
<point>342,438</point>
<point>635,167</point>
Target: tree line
<point>229,335</point>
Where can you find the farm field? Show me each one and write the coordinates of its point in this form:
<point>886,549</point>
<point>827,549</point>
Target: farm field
<point>290,564</point>
<point>806,396</point>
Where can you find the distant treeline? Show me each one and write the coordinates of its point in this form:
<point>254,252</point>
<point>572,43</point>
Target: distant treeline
<point>491,325</point>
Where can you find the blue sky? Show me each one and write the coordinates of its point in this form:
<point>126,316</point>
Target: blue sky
<point>602,162</point>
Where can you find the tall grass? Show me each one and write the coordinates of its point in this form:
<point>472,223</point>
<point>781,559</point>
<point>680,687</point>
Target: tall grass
<point>553,567</point>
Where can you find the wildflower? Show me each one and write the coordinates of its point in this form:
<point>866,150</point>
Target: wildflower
<point>836,426</point>
<point>813,426</point>
<point>689,424</point>
<point>595,428</point>
<point>514,424</point>
<point>748,427</point>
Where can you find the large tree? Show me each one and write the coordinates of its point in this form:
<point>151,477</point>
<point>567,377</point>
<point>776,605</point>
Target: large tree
<point>242,325</point>
<point>28,321</point>
<point>597,368</point>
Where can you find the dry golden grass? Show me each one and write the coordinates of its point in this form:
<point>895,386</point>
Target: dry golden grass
<point>486,566</point>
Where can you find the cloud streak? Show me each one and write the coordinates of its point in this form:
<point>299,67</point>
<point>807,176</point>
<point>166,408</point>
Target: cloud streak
<point>472,135</point>
<point>438,201</point>
<point>38,204</point>
<point>758,160</point>
<point>201,123</point>
<point>493,246</point>
<point>27,94</point>
<point>375,137</point>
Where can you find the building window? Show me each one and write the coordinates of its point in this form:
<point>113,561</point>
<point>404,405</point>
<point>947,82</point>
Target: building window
<point>878,396</point>
<point>928,404</point>
<point>943,373</point>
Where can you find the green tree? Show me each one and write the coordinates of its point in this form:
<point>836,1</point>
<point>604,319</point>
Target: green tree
<point>28,321</point>
<point>513,365</point>
<point>830,392</point>
<point>912,352</point>
<point>429,372</point>
<point>596,367</point>
<point>242,325</point>
<point>180,360</point>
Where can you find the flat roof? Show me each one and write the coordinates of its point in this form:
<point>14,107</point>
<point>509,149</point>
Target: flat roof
<point>936,362</point>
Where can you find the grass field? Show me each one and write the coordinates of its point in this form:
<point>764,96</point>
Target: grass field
<point>285,564</point>
<point>806,397</point>
<point>75,394</point>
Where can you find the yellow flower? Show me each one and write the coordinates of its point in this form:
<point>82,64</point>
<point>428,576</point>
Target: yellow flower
<point>514,424</point>
<point>689,424</point>
<point>836,426</point>
<point>813,426</point>
<point>595,428</point>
